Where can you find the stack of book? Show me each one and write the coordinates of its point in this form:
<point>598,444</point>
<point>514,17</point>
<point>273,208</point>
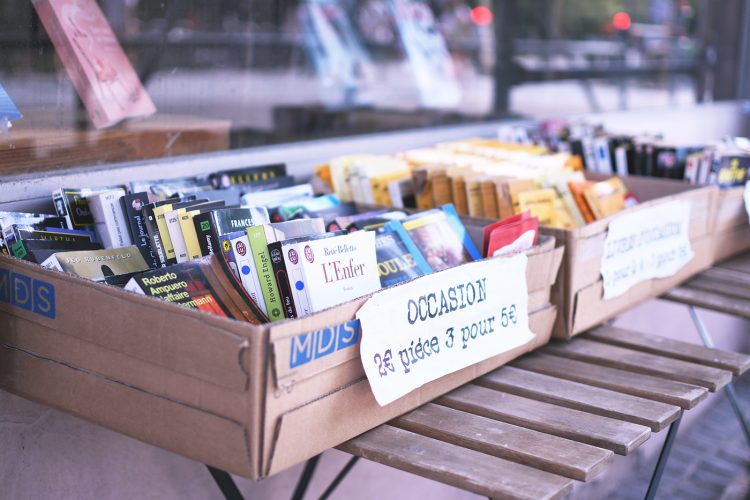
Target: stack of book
<point>246,244</point>
<point>481,178</point>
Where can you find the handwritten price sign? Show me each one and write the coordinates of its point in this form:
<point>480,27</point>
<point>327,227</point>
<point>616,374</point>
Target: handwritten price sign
<point>422,330</point>
<point>650,243</point>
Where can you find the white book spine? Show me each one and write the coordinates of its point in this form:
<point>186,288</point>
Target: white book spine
<point>248,272</point>
<point>293,260</point>
<point>621,161</point>
<point>108,219</point>
<point>175,234</point>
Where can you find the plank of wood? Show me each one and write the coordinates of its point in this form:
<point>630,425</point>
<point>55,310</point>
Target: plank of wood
<point>641,362</point>
<point>525,446</point>
<point>451,464</point>
<point>709,300</point>
<point>740,263</point>
<point>729,289</point>
<point>578,396</point>
<point>685,396</point>
<point>726,360</point>
<point>604,432</point>
<point>727,275</point>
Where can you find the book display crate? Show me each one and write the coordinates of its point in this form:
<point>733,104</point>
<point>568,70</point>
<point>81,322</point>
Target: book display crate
<point>579,291</point>
<point>252,400</point>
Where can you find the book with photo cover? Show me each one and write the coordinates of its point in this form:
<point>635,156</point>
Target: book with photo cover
<point>440,237</point>
<point>97,265</point>
<point>398,257</point>
<point>131,206</point>
<point>205,284</point>
<point>94,60</point>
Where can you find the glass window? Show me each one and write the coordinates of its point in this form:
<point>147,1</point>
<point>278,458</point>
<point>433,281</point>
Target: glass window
<point>237,73</point>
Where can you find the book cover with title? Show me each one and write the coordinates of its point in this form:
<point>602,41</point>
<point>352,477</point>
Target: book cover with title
<point>94,60</point>
<point>340,268</point>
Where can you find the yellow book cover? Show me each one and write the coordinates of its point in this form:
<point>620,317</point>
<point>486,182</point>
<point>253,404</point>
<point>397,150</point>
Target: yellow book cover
<point>517,186</point>
<point>190,235</point>
<point>458,188</point>
<point>474,196</point>
<point>606,198</point>
<point>441,190</point>
<point>489,199</point>
<point>161,225</point>
<point>541,204</point>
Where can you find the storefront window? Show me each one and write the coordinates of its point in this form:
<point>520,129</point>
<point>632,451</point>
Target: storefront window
<point>250,73</point>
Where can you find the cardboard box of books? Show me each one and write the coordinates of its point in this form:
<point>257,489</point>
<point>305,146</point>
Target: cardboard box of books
<point>616,262</point>
<point>627,237</point>
<point>232,368</point>
<point>731,226</point>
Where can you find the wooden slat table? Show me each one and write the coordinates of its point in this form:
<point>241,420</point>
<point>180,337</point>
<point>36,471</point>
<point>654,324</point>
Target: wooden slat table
<point>533,428</point>
<point>724,288</point>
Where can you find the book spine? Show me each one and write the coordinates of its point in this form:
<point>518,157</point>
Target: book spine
<point>459,195</point>
<point>489,200</point>
<point>246,269</point>
<point>441,190</point>
<point>190,236</point>
<point>282,279</point>
<point>257,237</point>
<point>297,280</point>
<point>136,226</point>
<point>149,220</point>
<point>474,199</point>
<point>109,220</point>
<point>61,206</point>
<point>206,232</point>
<point>175,235</point>
<point>225,244</point>
<point>461,231</point>
<point>166,239</point>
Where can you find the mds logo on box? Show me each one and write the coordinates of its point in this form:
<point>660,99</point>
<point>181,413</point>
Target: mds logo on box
<point>314,345</point>
<point>27,293</point>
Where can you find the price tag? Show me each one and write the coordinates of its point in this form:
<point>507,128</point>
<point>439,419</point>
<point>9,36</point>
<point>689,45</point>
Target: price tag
<point>747,198</point>
<point>650,243</point>
<point>436,325</point>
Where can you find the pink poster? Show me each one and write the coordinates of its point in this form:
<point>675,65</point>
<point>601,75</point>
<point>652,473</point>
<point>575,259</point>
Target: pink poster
<point>98,67</point>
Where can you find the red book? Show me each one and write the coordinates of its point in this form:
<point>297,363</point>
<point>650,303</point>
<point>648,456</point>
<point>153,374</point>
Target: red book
<point>96,64</point>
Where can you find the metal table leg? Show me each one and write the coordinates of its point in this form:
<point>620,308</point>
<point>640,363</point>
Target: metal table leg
<point>663,457</point>
<point>305,478</point>
<point>731,393</point>
<point>226,484</point>
<point>340,477</point>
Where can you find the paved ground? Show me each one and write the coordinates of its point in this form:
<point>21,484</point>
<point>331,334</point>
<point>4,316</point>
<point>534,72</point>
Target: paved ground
<point>711,461</point>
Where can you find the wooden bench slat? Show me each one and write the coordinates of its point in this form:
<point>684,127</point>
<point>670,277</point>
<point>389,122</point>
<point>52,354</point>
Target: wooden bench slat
<point>684,395</point>
<point>604,432</point>
<point>525,446</point>
<point>726,360</point>
<point>451,464</point>
<point>728,289</point>
<point>578,396</point>
<point>709,300</point>
<point>641,362</point>
<point>740,264</point>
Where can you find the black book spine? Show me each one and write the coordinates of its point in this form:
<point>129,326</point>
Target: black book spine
<point>207,235</point>
<point>282,279</point>
<point>153,234</point>
<point>137,227</point>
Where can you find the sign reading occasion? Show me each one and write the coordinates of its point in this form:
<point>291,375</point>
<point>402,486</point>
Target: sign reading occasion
<point>436,325</point>
<point>650,243</point>
<point>747,198</point>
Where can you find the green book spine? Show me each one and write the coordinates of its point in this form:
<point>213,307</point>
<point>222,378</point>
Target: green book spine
<point>259,247</point>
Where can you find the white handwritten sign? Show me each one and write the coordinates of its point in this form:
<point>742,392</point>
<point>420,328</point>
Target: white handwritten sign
<point>436,325</point>
<point>650,243</point>
<point>747,198</point>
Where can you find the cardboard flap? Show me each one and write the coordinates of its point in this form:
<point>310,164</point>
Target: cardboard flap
<point>589,308</point>
<point>183,429</point>
<point>187,341</point>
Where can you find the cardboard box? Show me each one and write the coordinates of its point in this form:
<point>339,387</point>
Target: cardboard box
<point>731,227</point>
<point>579,291</point>
<point>252,400</point>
